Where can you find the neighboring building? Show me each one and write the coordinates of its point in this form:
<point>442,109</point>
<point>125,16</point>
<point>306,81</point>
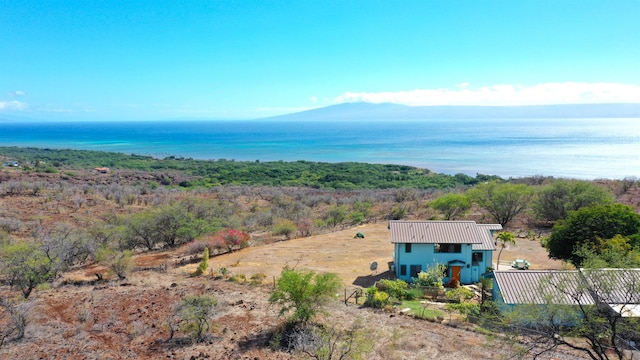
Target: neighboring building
<point>615,289</point>
<point>543,296</point>
<point>11,163</point>
<point>464,247</point>
<point>539,287</point>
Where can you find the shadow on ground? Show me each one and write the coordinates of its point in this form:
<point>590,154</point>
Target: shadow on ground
<point>367,281</point>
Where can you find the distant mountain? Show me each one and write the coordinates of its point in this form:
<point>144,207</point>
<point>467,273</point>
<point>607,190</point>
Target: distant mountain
<point>367,111</point>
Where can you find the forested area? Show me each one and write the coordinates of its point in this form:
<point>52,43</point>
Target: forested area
<point>208,173</point>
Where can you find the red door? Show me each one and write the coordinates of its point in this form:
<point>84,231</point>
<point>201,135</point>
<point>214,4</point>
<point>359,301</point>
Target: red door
<point>455,273</point>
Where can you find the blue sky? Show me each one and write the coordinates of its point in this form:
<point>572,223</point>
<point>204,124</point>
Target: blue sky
<point>127,60</point>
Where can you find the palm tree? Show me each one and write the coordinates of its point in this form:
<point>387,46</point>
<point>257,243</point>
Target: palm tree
<point>504,238</point>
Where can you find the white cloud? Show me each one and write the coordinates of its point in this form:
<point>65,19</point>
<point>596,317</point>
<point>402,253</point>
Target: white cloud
<point>17,93</point>
<point>505,94</point>
<point>12,105</point>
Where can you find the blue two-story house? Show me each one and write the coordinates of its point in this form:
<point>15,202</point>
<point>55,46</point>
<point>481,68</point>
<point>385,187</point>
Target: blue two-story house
<point>464,247</point>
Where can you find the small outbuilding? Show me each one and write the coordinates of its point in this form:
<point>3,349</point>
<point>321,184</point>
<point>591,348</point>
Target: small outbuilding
<point>616,290</point>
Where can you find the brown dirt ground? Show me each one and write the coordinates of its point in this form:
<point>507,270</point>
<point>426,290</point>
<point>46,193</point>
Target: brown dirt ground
<point>128,320</point>
<point>338,252</point>
<point>350,258</point>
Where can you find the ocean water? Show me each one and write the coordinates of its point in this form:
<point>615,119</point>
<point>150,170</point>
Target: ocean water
<point>575,148</point>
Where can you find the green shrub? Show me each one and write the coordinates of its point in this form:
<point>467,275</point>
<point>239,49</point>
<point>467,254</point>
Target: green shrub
<point>204,263</point>
<point>303,293</point>
<point>257,279</point>
<point>432,277</point>
<point>376,299</point>
<point>395,288</point>
<point>413,294</point>
<point>238,278</point>
<point>469,309</point>
<point>284,227</point>
<point>460,294</point>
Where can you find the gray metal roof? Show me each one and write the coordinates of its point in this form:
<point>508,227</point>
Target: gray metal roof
<point>614,286</point>
<point>488,242</point>
<point>433,232</point>
<point>543,287</point>
<point>491,226</point>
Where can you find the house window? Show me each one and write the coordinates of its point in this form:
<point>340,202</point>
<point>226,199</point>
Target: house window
<point>476,257</point>
<point>407,248</point>
<point>403,270</point>
<point>415,269</point>
<point>448,248</point>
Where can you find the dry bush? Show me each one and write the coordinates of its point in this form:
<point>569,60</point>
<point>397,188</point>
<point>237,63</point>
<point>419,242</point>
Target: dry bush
<point>13,319</point>
<point>10,224</point>
<point>196,247</point>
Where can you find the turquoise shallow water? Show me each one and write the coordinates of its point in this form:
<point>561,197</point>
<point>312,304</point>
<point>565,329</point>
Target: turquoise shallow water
<point>577,148</point>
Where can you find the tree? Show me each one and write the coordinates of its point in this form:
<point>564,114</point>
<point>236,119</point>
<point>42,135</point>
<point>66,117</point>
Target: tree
<point>555,201</point>
<point>628,183</point>
<point>168,226</point>
<point>303,293</point>
<point>361,212</point>
<point>118,262</point>
<point>502,200</point>
<point>25,266</point>
<point>306,227</point>
<point>616,252</point>
<point>284,227</point>
<point>504,238</point>
<point>230,240</point>
<point>451,205</point>
<point>194,312</point>
<point>111,233</point>
<point>335,215</point>
<point>587,225</point>
<point>65,246</point>
<point>141,230</point>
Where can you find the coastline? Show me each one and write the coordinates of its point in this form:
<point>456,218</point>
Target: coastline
<point>573,148</point>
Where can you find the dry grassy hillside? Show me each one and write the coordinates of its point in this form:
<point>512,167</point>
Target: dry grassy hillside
<point>78,318</point>
<point>129,319</point>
